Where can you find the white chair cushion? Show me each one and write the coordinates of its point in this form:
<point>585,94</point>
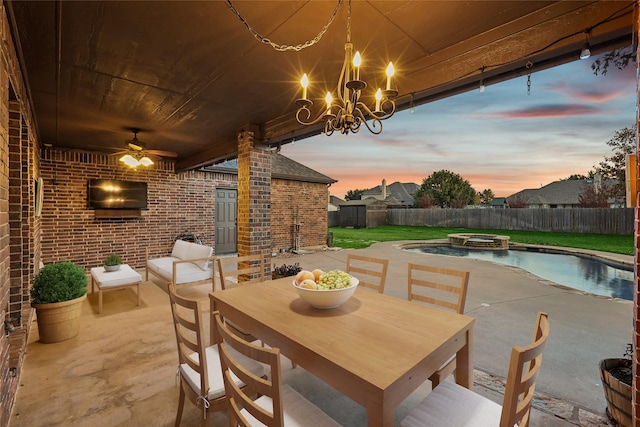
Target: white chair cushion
<point>125,275</point>
<point>186,272</point>
<point>216,383</point>
<point>199,251</point>
<point>451,405</point>
<point>158,264</point>
<point>298,411</point>
<point>180,249</point>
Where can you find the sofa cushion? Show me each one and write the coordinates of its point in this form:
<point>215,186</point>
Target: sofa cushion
<point>186,272</point>
<point>200,251</point>
<point>181,249</point>
<point>157,263</point>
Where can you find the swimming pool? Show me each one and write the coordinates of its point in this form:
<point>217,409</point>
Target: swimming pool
<point>586,274</point>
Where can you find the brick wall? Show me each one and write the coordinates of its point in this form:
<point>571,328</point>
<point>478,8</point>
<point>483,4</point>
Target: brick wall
<point>176,204</point>
<point>7,387</point>
<point>635,390</point>
<point>303,203</point>
<point>19,228</point>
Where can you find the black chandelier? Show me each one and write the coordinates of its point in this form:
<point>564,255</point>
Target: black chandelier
<point>348,112</point>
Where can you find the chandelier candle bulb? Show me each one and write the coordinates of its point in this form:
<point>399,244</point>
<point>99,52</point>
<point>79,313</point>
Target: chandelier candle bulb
<point>390,72</point>
<point>329,99</point>
<point>357,61</point>
<point>304,82</point>
<point>378,99</point>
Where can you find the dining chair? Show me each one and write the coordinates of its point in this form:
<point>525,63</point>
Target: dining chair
<point>371,272</point>
<point>279,404</point>
<point>441,287</point>
<point>240,271</point>
<point>451,405</point>
<point>199,366</point>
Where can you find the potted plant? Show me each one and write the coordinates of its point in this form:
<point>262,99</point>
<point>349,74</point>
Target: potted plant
<point>57,294</point>
<point>285,271</point>
<point>616,375</point>
<point>112,262</point>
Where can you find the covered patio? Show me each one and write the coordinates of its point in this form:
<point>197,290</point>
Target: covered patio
<point>109,376</point>
<point>200,87</point>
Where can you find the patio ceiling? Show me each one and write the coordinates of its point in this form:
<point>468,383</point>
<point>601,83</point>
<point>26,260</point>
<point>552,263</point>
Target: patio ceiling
<point>190,74</point>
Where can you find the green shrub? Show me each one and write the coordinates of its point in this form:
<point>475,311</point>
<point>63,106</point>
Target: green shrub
<point>112,260</point>
<point>62,281</point>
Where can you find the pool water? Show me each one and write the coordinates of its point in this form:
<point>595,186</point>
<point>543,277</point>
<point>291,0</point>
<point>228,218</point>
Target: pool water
<point>585,274</point>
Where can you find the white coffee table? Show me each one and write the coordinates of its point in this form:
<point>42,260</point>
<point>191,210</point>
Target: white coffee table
<point>124,277</point>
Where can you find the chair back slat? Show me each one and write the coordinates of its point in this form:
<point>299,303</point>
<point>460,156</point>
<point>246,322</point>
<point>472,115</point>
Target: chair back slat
<point>187,322</point>
<point>524,366</point>
<point>422,284</point>
<point>243,270</point>
<point>371,272</point>
<point>435,301</point>
<point>238,399</point>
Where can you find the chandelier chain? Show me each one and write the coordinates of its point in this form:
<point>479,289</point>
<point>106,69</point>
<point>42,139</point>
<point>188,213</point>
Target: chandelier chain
<point>529,65</point>
<point>284,47</point>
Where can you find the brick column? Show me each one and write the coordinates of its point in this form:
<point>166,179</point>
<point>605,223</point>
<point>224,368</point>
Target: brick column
<point>254,198</point>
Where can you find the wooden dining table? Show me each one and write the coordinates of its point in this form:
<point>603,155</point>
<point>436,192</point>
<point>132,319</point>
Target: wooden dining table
<point>374,348</point>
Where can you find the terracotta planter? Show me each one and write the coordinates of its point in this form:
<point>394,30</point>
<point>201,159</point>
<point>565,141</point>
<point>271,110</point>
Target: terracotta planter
<point>59,321</point>
<point>617,393</point>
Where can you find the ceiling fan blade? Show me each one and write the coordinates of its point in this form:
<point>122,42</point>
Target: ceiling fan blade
<point>111,150</point>
<point>134,144</point>
<point>162,153</point>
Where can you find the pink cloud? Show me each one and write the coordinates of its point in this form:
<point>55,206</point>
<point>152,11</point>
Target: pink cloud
<point>598,96</point>
<point>600,93</point>
<point>549,112</point>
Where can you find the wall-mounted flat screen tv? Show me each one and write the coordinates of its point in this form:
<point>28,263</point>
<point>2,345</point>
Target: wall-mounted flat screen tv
<point>115,194</point>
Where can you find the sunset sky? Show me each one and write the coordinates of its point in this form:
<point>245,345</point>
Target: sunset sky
<point>502,139</point>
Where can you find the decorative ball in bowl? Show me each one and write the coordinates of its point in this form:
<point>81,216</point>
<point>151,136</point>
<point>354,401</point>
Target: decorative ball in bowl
<point>325,290</point>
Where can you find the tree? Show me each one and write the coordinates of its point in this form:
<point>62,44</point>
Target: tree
<point>517,201</point>
<point>620,58</point>
<point>614,167</point>
<point>446,190</point>
<point>579,177</point>
<point>354,194</point>
<point>593,197</point>
<point>486,196</point>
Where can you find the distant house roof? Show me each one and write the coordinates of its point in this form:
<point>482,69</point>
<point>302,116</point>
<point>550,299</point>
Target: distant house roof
<point>282,167</point>
<point>564,192</point>
<point>396,193</point>
<point>335,200</point>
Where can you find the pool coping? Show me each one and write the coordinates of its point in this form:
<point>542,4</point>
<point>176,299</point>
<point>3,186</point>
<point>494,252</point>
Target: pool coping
<point>623,262</point>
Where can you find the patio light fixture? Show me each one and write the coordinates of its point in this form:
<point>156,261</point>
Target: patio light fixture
<point>585,53</point>
<point>134,162</point>
<point>348,112</point>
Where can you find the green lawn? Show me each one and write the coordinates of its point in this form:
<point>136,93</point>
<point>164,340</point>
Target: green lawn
<point>364,237</point>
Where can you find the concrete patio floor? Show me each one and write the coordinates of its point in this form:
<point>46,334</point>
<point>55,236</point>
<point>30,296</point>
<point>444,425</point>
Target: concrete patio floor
<point>120,370</point>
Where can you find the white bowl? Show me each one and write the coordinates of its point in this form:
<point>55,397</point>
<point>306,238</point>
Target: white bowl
<point>331,298</point>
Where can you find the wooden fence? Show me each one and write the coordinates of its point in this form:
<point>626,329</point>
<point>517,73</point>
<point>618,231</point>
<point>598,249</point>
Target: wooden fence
<point>579,220</point>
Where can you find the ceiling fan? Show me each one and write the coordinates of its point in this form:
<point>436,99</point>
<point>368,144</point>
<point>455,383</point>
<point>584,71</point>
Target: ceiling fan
<point>136,153</point>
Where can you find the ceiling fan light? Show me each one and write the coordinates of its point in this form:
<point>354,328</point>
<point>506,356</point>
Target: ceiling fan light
<point>145,161</point>
<point>129,160</point>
